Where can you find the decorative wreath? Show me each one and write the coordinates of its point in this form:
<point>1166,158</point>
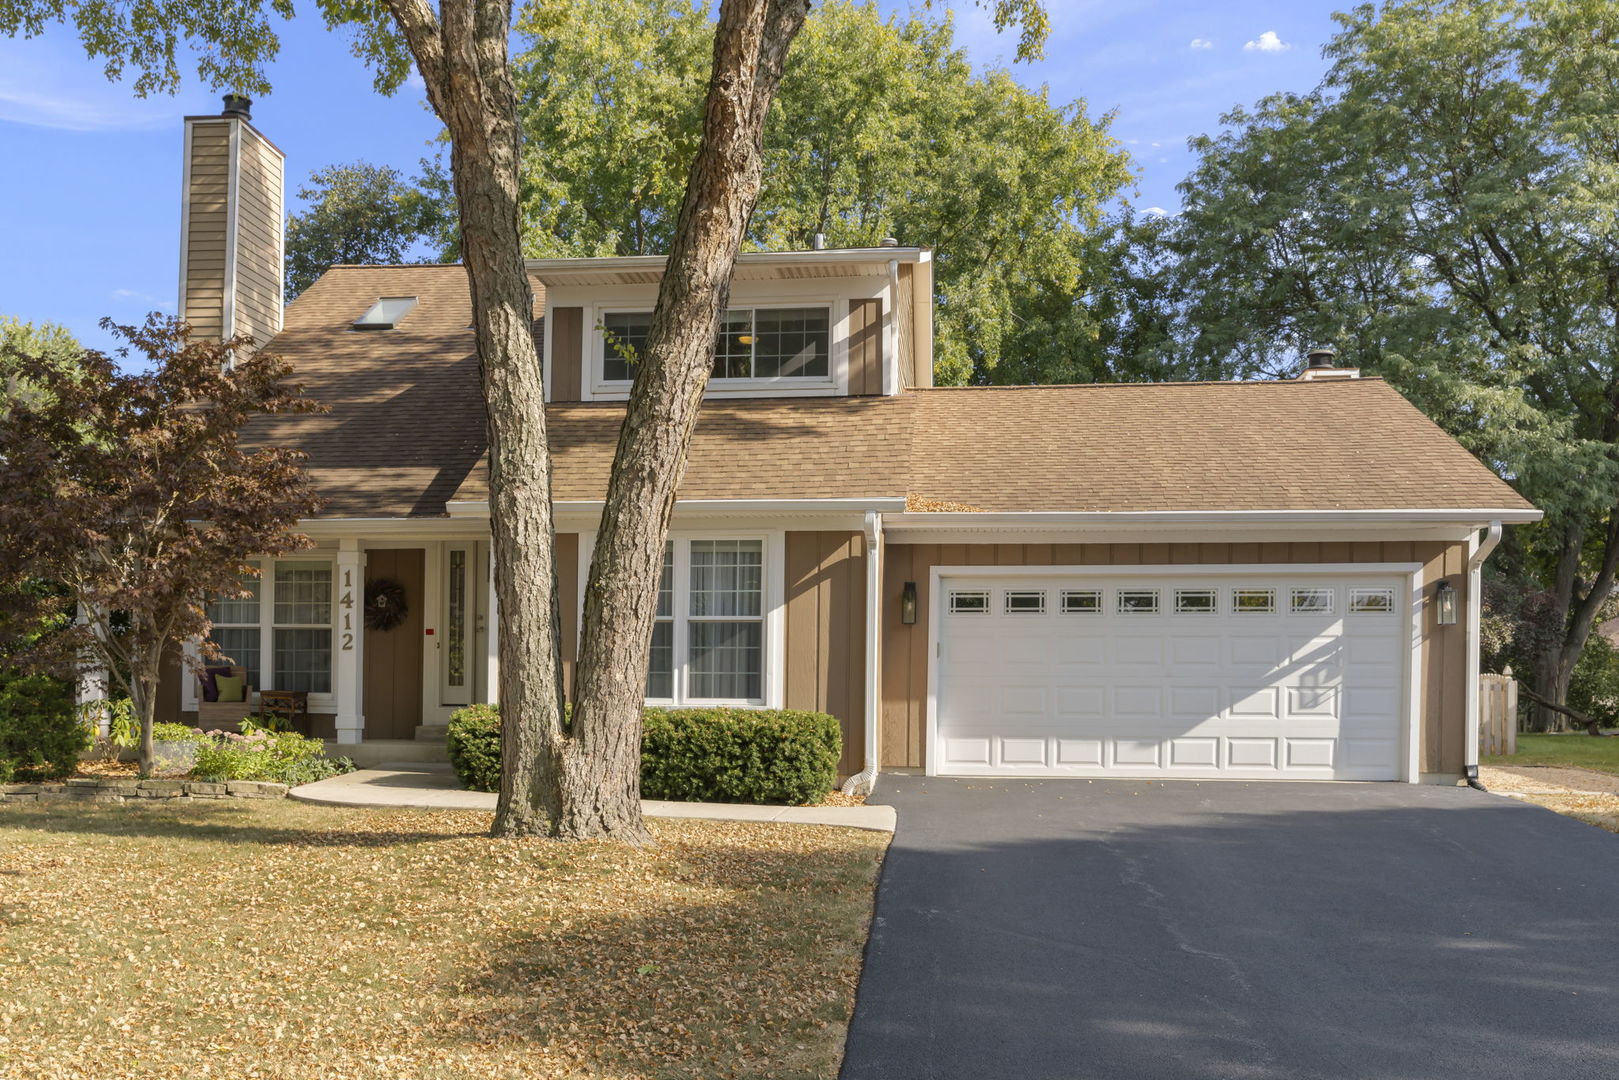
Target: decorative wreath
<point>385,606</point>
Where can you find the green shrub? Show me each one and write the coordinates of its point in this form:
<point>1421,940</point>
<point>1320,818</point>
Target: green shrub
<point>695,755</point>
<point>474,744</point>
<point>41,735</point>
<point>283,757</point>
<point>739,755</point>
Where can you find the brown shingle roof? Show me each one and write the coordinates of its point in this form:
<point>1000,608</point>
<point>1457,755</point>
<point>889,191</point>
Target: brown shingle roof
<point>406,432</point>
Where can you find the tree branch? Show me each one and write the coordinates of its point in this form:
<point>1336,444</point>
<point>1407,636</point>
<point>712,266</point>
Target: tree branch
<point>1591,725</point>
<point>421,29</point>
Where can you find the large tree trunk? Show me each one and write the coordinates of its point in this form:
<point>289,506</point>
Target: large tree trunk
<point>1575,607</point>
<point>463,61</point>
<point>600,783</point>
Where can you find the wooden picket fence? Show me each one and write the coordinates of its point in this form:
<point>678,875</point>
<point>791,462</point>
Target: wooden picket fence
<point>1497,714</point>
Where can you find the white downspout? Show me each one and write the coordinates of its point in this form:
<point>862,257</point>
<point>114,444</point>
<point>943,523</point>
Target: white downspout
<point>1475,607</point>
<point>862,782</point>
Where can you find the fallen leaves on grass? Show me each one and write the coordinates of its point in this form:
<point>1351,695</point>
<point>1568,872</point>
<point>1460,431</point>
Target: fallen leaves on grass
<point>283,940</point>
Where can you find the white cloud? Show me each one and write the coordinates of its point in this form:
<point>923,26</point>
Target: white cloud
<point>45,83</point>
<point>1156,211</point>
<point>1201,43</point>
<point>1267,42</point>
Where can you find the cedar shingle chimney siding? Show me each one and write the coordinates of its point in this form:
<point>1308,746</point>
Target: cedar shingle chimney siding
<point>230,233</point>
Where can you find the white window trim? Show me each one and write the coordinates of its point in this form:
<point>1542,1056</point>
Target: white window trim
<point>837,329</point>
<point>773,615</point>
<point>318,703</point>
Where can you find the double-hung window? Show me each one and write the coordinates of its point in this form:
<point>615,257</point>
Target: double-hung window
<point>708,642</point>
<point>772,344</point>
<point>236,628</point>
<point>282,631</point>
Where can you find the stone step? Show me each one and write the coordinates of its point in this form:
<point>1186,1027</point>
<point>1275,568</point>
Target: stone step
<point>375,751</point>
<point>432,732</point>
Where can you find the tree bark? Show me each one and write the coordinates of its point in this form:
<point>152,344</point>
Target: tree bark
<point>600,790</point>
<point>462,58</point>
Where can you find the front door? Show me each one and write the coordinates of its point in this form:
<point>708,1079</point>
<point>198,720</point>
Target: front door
<point>395,596</point>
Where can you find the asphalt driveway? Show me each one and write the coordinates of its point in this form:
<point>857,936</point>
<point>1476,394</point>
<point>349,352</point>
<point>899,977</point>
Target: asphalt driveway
<point>1180,931</point>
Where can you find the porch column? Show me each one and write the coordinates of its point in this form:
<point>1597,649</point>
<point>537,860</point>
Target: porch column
<point>491,638</point>
<point>348,667</point>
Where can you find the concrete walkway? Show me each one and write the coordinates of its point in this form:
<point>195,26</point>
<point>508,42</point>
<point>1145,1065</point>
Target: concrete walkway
<point>434,787</point>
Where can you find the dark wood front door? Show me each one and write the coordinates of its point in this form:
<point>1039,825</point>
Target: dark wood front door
<point>393,658</point>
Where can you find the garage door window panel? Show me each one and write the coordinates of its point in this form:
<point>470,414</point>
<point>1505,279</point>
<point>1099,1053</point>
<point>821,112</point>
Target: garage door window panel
<point>1138,601</point>
<point>1025,603</point>
<point>1196,602</point>
<point>1371,601</point>
<point>1253,601</point>
<point>1082,601</point>
<point>969,603</point>
<point>1311,601</point>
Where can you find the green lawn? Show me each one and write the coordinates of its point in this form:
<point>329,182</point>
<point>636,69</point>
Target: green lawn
<point>1567,751</point>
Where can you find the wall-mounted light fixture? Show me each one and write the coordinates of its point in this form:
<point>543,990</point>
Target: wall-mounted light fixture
<point>907,604</point>
<point>1444,599</point>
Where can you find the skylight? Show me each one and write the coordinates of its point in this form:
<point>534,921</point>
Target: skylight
<point>385,313</point>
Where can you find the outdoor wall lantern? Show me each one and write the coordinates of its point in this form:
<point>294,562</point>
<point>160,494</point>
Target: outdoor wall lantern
<point>1444,598</point>
<point>907,604</point>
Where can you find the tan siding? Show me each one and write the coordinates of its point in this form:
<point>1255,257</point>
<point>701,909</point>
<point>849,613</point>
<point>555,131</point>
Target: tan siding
<point>567,353</point>
<point>258,241</point>
<point>904,318</point>
<point>865,347</point>
<point>257,219</point>
<point>826,633</point>
<point>203,291</point>
<point>1442,693</point>
<point>567,556</point>
<point>922,323</point>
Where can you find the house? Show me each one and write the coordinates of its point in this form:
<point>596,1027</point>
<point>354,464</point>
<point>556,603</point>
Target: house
<point>1262,580</point>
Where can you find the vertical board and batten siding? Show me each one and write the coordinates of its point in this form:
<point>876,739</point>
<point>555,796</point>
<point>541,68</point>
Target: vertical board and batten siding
<point>207,225</point>
<point>865,347</point>
<point>913,317</point>
<point>258,237</point>
<point>568,595</point>
<point>567,353</point>
<point>905,648</point>
<point>826,634</point>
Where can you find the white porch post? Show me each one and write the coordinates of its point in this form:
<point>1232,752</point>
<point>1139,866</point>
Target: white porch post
<point>491,637</point>
<point>349,661</point>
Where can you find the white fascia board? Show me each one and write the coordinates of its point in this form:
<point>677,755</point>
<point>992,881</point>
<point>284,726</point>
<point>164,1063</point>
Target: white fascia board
<point>747,259</point>
<point>394,528</point>
<point>980,520</point>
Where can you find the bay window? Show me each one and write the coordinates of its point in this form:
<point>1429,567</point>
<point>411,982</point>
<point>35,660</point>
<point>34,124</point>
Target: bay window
<point>750,343</point>
<point>287,619</point>
<point>708,640</point>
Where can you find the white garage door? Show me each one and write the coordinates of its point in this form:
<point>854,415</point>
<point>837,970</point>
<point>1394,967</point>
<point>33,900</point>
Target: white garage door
<point>1263,677</point>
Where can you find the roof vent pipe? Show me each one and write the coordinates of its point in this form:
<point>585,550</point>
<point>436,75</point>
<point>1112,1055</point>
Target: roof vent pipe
<point>1322,356</point>
<point>238,106</point>
<point>888,241</point>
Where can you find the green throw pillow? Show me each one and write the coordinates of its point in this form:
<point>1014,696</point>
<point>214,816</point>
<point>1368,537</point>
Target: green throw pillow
<point>230,687</point>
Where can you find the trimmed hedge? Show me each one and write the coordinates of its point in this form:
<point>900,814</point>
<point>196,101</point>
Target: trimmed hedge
<point>41,736</point>
<point>692,755</point>
<point>474,744</point>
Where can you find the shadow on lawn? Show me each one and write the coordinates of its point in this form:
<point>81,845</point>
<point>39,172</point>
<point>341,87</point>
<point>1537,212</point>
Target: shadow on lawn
<point>722,960</point>
<point>225,822</point>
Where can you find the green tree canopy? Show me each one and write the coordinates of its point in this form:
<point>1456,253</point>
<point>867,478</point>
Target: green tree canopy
<point>358,213</point>
<point>1444,209</point>
<point>881,128</point>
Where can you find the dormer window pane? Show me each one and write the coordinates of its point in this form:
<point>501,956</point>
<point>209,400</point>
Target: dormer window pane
<point>791,343</point>
<point>385,313</point>
<point>764,343</point>
<point>625,332</point>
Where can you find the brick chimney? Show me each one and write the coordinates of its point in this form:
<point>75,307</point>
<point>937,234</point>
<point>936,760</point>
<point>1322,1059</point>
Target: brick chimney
<point>231,213</point>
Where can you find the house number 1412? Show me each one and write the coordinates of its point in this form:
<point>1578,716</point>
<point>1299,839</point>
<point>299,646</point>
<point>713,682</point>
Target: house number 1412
<point>347,604</point>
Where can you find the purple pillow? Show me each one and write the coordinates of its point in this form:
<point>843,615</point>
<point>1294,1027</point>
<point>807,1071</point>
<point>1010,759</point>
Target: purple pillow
<point>210,691</point>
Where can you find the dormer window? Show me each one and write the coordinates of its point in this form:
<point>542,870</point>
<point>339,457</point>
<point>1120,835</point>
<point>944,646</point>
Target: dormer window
<point>766,343</point>
<point>385,313</point>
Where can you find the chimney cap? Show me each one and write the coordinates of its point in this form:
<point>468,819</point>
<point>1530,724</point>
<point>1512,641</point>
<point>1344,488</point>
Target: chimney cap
<point>1321,356</point>
<point>238,105</point>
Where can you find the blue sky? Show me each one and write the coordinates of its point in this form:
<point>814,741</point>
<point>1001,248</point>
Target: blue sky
<point>90,193</point>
